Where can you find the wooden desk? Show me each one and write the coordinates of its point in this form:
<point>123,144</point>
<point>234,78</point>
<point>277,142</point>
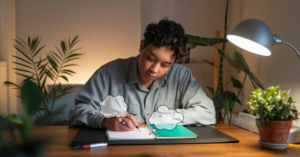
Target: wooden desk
<point>248,146</point>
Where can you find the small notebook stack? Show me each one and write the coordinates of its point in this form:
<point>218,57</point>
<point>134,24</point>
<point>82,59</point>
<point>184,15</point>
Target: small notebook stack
<point>151,132</point>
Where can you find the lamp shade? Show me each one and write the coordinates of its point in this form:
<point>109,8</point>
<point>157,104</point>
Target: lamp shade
<point>252,35</point>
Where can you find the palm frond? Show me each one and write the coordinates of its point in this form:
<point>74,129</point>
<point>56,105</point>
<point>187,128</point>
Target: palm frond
<point>23,70</point>
<point>64,77</point>
<point>38,50</point>
<point>70,65</point>
<point>22,59</point>
<point>71,59</point>
<point>25,76</point>
<point>24,54</point>
<point>23,65</point>
<point>8,83</point>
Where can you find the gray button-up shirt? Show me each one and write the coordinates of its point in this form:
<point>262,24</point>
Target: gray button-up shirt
<point>177,89</point>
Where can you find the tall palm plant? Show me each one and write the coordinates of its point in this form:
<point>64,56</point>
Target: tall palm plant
<point>55,66</point>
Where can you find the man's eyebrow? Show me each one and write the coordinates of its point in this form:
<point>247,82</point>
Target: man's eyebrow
<point>152,54</point>
<point>156,57</point>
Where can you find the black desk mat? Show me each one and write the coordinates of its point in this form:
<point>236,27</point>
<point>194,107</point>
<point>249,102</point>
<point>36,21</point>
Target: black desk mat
<point>205,134</point>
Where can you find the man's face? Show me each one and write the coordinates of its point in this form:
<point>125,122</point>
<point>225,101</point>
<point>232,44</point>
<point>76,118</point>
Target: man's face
<point>153,63</point>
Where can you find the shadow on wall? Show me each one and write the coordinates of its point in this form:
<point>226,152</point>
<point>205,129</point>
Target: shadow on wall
<point>69,100</point>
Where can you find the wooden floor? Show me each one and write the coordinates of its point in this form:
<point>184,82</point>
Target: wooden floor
<point>248,145</point>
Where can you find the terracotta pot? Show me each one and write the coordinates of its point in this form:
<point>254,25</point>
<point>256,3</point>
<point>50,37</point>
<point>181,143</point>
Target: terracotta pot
<point>274,131</point>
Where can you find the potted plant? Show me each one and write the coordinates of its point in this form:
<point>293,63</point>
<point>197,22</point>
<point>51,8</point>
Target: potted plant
<point>276,111</point>
<point>55,66</point>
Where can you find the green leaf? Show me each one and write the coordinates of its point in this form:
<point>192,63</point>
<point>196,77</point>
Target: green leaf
<point>67,73</point>
<point>35,44</point>
<point>70,65</point>
<point>56,55</point>
<point>252,77</point>
<point>239,58</point>
<point>27,77</point>
<point>74,55</point>
<point>211,90</point>
<point>54,58</point>
<point>28,39</point>
<point>38,50</point>
<point>22,59</point>
<point>23,65</point>
<point>59,51</point>
<point>71,59</point>
<point>225,100</point>
<point>211,63</point>
<point>238,66</point>
<point>43,84</point>
<point>52,63</point>
<point>64,77</point>
<point>17,120</point>
<point>238,101</point>
<point>194,41</point>
<point>74,40</point>
<point>39,63</point>
<point>13,118</point>
<point>23,49</point>
<point>236,83</point>
<point>19,42</point>
<point>23,54</point>
<point>63,46</point>
<point>31,97</point>
<point>49,74</point>
<point>70,71</point>
<point>74,50</point>
<point>23,70</point>
<point>8,83</point>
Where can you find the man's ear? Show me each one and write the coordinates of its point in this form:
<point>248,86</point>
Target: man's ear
<point>142,45</point>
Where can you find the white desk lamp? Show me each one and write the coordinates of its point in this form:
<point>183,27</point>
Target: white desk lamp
<point>255,36</point>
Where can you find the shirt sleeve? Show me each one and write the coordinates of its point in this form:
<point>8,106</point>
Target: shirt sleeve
<point>197,108</point>
<point>87,108</point>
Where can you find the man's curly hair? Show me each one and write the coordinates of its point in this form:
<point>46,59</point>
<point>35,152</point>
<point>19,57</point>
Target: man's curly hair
<point>171,34</point>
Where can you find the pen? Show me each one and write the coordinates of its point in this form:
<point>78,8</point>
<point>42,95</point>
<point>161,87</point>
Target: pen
<point>86,146</point>
<point>125,111</point>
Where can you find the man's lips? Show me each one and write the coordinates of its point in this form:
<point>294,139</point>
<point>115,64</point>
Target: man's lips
<point>149,76</point>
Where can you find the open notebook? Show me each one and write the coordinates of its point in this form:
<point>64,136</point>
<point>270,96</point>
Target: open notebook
<point>147,133</point>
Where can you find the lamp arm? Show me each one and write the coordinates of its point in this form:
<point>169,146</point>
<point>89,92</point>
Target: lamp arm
<point>291,46</point>
<point>277,39</point>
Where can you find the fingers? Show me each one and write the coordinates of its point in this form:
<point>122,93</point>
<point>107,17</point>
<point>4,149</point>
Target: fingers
<point>133,119</point>
<point>128,125</point>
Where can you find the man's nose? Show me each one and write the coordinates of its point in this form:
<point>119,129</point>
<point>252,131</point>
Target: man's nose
<point>154,68</point>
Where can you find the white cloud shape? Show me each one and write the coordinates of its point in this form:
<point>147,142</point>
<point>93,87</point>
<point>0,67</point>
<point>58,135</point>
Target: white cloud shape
<point>165,118</point>
<point>113,106</point>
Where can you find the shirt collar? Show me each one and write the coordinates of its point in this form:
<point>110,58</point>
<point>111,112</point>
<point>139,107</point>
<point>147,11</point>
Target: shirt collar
<point>133,78</point>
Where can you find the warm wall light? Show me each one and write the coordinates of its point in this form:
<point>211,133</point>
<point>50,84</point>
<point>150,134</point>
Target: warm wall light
<point>255,36</point>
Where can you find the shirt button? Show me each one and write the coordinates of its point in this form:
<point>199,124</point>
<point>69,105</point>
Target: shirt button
<point>147,114</point>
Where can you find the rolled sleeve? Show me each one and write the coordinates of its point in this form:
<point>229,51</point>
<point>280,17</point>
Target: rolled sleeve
<point>197,107</point>
<point>87,108</point>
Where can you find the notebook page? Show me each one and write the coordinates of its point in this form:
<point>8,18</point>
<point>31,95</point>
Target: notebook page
<point>130,135</point>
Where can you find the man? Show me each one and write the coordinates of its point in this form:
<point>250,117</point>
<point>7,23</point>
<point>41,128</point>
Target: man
<point>145,82</point>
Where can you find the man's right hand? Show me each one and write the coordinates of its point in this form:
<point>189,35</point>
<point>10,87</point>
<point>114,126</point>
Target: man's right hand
<point>113,123</point>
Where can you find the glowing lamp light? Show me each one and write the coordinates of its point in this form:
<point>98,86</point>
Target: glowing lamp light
<point>249,45</point>
<point>255,36</point>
